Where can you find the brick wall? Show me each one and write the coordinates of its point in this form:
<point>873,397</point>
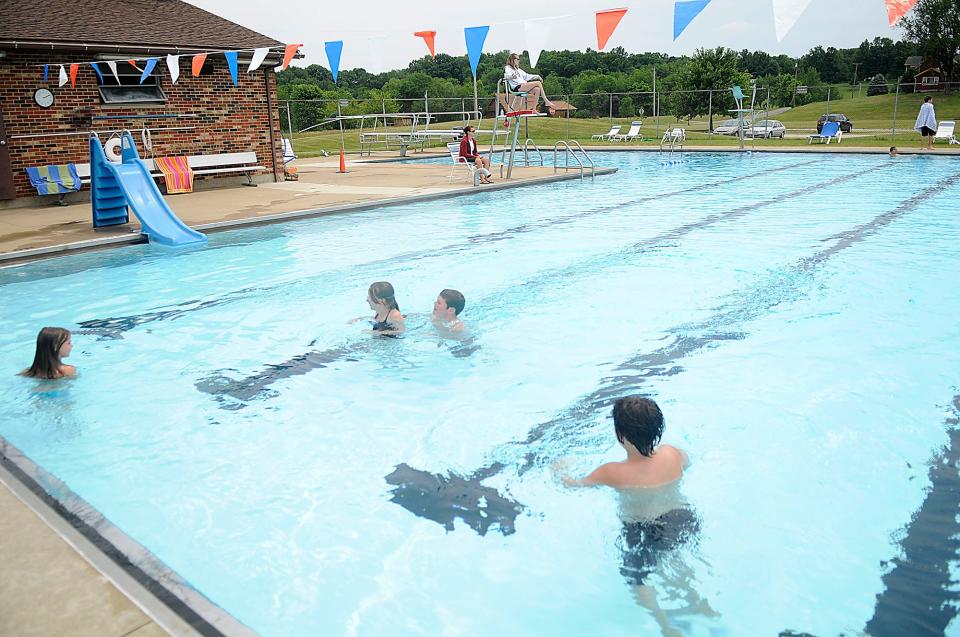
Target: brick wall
<point>228,118</point>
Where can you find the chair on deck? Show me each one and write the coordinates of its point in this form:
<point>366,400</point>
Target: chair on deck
<point>55,180</point>
<point>614,130</point>
<point>631,134</point>
<point>830,130</point>
<point>946,131</point>
<point>289,172</point>
<point>454,148</point>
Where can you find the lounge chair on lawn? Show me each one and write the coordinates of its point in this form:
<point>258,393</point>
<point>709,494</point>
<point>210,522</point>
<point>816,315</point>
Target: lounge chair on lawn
<point>946,131</point>
<point>631,134</point>
<point>614,130</point>
<point>830,130</point>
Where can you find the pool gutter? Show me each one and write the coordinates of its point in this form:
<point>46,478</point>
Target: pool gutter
<point>152,586</point>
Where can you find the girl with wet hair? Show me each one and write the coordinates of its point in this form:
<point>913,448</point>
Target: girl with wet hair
<point>53,345</point>
<point>383,300</point>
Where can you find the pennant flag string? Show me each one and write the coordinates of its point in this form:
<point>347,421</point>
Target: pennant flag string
<point>173,67</point>
<point>63,76</point>
<point>259,55</point>
<point>288,54</point>
<point>428,37</point>
<point>607,22</point>
<point>197,63</point>
<point>134,60</point>
<point>148,69</point>
<point>896,9</point>
<point>684,11</point>
<point>334,50</point>
<point>73,74</point>
<point>113,68</point>
<point>97,70</point>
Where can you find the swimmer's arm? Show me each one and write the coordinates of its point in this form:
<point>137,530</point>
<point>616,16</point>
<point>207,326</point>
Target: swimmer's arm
<point>356,320</point>
<point>602,475</point>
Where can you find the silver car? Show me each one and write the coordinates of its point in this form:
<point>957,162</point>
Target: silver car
<point>730,127</point>
<point>766,128</point>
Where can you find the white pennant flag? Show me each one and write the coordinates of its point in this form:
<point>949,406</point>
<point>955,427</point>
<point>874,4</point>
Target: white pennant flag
<point>63,76</point>
<point>173,65</point>
<point>113,69</point>
<point>537,33</point>
<point>258,56</point>
<point>785,15</point>
<point>375,47</point>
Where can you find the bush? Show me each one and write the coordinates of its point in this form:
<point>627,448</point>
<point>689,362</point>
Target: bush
<point>877,85</point>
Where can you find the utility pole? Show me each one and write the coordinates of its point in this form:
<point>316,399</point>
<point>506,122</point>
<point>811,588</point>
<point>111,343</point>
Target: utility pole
<point>796,71</point>
<point>856,67</point>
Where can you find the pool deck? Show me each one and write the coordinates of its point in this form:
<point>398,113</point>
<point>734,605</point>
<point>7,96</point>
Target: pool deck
<point>42,230</point>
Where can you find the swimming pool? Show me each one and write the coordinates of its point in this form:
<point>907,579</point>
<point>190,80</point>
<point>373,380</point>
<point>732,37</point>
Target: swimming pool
<point>794,315</point>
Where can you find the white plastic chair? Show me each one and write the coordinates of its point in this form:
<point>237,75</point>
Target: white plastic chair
<point>454,149</point>
<point>633,133</point>
<point>946,131</point>
<point>614,130</point>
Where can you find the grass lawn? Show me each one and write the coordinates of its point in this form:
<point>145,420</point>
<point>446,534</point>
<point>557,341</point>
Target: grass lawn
<point>872,118</point>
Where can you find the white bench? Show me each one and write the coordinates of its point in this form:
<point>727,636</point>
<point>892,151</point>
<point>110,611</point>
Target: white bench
<point>216,164</point>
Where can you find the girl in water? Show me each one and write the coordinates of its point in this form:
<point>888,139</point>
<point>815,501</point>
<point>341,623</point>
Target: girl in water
<point>53,345</point>
<point>388,320</point>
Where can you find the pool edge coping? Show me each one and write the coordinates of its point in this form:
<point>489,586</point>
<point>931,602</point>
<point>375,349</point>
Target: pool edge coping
<point>152,586</point>
<point>28,255</point>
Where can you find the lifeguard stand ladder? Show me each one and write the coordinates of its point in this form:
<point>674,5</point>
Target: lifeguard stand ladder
<point>739,111</point>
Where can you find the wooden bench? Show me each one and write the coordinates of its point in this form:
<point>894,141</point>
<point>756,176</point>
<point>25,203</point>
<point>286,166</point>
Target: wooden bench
<point>216,164</point>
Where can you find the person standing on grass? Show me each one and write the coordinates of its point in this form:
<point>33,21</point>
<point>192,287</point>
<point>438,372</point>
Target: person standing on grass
<point>926,122</point>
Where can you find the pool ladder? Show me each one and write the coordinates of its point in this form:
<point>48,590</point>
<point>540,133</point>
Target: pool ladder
<point>576,152</point>
<point>672,140</point>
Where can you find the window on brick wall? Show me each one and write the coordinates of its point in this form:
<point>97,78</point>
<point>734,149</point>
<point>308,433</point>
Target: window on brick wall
<point>130,90</point>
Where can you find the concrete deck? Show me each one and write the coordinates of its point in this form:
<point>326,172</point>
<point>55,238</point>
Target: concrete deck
<point>42,229</point>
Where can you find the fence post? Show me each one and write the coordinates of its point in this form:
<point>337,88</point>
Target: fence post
<point>566,98</point>
<point>710,114</point>
<point>289,123</point>
<point>611,108</point>
<point>896,104</point>
<point>828,101</point>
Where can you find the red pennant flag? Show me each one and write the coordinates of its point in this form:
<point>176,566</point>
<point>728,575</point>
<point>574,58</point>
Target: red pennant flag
<point>133,63</point>
<point>428,37</point>
<point>288,54</point>
<point>73,74</point>
<point>896,9</point>
<point>198,61</point>
<point>607,22</point>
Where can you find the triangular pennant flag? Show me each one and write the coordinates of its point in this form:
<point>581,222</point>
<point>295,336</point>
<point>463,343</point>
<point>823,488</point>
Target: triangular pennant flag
<point>63,76</point>
<point>113,69</point>
<point>133,63</point>
<point>334,50</point>
<point>173,65</point>
<point>46,72</point>
<point>896,9</point>
<point>97,70</point>
<point>232,64</point>
<point>684,11</point>
<point>607,22</point>
<point>197,64</point>
<point>288,54</point>
<point>375,48</point>
<point>537,33</point>
<point>785,15</point>
<point>73,73</point>
<point>258,57</point>
<point>475,37</point>
<point>429,37</point>
<point>148,69</point>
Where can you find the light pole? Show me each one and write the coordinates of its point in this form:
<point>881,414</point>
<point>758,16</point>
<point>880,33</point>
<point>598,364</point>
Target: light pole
<point>796,71</point>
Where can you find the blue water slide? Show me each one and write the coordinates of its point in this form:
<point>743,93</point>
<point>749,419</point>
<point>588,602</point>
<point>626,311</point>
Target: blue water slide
<point>116,186</point>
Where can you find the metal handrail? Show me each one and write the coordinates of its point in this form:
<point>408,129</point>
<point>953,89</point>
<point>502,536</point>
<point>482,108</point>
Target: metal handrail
<point>567,151</point>
<point>593,168</point>
<point>526,160</point>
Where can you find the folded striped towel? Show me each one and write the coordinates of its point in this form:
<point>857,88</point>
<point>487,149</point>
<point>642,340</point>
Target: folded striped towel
<point>177,173</point>
<point>54,180</point>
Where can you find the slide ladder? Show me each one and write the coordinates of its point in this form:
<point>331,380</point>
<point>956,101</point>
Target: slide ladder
<point>114,187</point>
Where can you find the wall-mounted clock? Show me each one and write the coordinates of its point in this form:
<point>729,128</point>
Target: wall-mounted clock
<point>43,97</point>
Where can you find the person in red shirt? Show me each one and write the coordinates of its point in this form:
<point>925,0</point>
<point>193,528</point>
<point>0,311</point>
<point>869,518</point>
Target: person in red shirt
<point>471,153</point>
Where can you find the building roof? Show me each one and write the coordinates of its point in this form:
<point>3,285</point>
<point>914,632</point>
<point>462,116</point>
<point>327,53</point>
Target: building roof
<point>162,24</point>
<point>560,105</point>
<point>914,60</point>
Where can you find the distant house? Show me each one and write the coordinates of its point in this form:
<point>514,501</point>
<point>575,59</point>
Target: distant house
<point>929,79</point>
<point>44,123</point>
<point>563,108</point>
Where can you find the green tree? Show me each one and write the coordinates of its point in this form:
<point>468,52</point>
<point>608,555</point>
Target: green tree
<point>709,69</point>
<point>934,26</point>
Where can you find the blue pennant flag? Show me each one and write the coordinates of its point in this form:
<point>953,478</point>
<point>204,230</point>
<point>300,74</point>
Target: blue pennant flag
<point>97,70</point>
<point>232,63</point>
<point>475,37</point>
<point>147,69</point>
<point>46,72</point>
<point>334,49</point>
<point>684,11</point>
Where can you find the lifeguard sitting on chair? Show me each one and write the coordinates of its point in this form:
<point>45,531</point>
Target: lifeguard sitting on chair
<point>519,81</point>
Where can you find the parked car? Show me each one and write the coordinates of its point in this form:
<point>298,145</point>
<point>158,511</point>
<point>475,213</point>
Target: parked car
<point>730,127</point>
<point>845,124</point>
<point>766,128</point>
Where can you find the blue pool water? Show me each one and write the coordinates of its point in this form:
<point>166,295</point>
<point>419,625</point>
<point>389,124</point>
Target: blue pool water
<point>794,315</point>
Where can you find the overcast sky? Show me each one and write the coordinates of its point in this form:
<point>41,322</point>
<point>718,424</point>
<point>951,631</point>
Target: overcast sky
<point>647,26</point>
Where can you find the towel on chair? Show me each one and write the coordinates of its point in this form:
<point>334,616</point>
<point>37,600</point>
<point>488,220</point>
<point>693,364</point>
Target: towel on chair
<point>177,173</point>
<point>54,180</point>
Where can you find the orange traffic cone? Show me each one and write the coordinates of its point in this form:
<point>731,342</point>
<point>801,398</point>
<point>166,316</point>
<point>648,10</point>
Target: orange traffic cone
<point>343,163</point>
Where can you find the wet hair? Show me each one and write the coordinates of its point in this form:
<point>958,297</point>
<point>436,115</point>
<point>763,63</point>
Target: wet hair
<point>46,361</point>
<point>454,299</point>
<point>927,98</point>
<point>640,421</point>
<point>383,291</point>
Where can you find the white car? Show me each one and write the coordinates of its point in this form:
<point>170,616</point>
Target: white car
<point>730,127</point>
<point>766,128</point>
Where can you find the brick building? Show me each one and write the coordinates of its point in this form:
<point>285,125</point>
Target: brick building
<point>198,115</point>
